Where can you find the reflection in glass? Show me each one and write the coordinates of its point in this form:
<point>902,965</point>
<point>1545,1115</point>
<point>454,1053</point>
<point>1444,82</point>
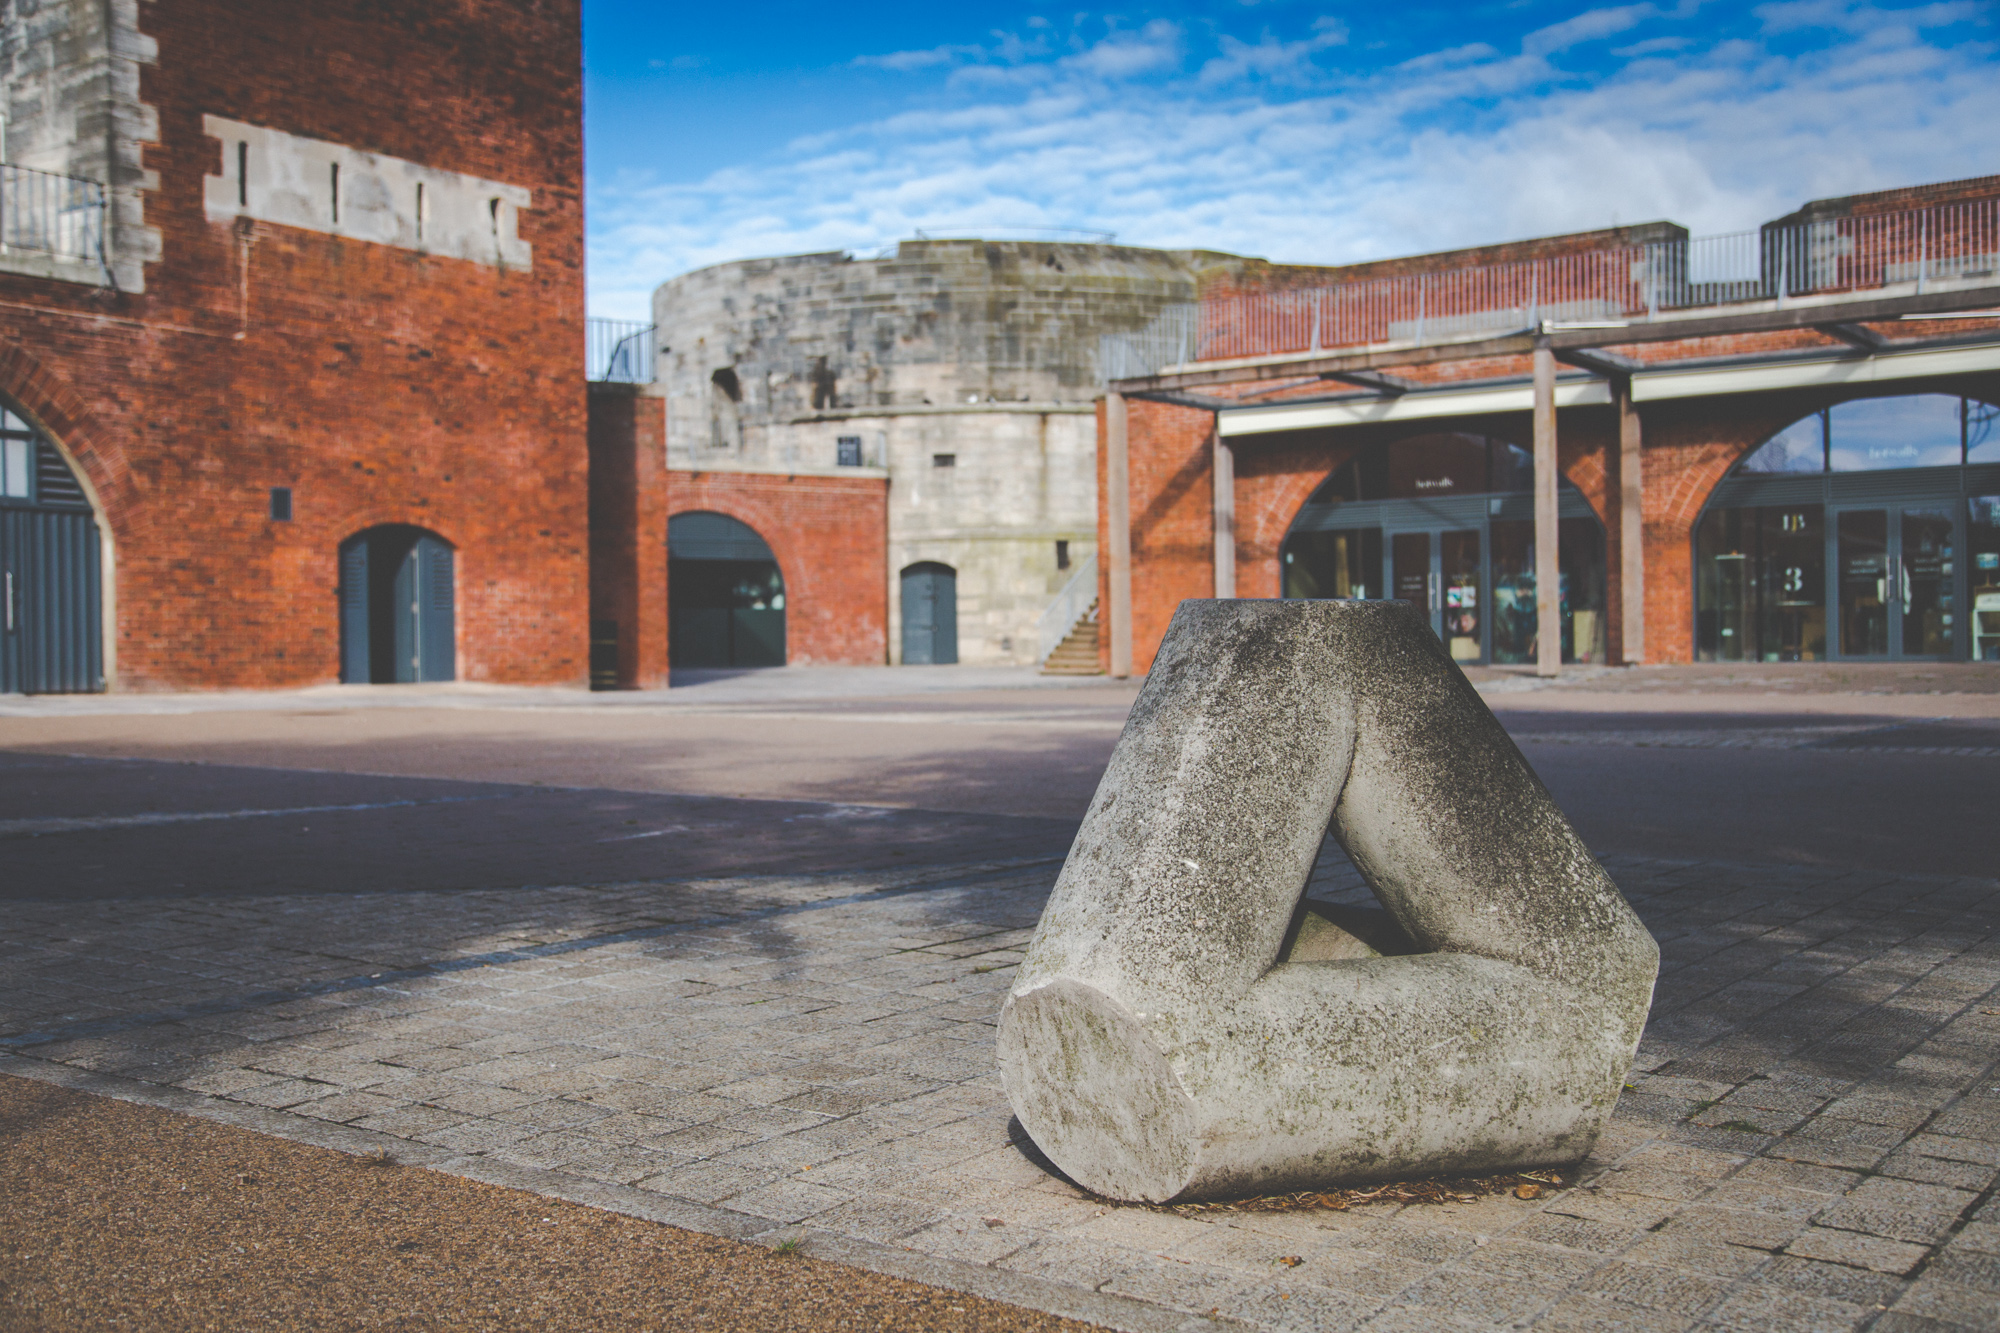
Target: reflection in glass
<point>1513,590</point>
<point>1334,564</point>
<point>1864,582</point>
<point>1983,551</point>
<point>1799,447</point>
<point>1580,578</point>
<point>1982,432</point>
<point>1926,582</point>
<point>1460,558</point>
<point>1916,430</point>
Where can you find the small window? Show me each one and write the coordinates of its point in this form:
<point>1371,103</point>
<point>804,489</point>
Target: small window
<point>849,447</point>
<point>944,460</point>
<point>335,185</point>
<point>281,504</point>
<point>1062,555</point>
<point>16,460</point>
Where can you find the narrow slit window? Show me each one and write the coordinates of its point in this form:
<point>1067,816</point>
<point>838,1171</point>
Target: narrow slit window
<point>420,212</point>
<point>242,174</point>
<point>336,194</point>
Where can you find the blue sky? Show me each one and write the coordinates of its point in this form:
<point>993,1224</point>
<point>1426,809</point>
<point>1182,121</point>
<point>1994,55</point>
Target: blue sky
<point>1310,133</point>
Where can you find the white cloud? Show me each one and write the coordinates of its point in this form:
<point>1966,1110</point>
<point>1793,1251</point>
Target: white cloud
<point>1460,147</point>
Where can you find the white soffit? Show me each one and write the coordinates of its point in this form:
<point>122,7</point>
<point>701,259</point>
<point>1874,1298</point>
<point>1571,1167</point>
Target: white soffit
<point>1406,407</point>
<point>1648,386</point>
<point>1829,374</point>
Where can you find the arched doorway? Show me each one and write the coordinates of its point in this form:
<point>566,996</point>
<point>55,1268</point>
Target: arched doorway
<point>1838,538</point>
<point>930,614</point>
<point>397,607</point>
<point>51,576</point>
<point>725,594</point>
<point>1445,520</point>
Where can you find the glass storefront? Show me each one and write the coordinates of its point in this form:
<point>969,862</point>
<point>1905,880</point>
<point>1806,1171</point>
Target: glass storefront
<point>1446,521</point>
<point>1839,538</point>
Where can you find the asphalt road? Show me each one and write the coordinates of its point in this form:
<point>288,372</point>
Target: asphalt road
<point>346,800</point>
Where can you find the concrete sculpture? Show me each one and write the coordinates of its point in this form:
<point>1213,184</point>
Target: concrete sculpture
<point>1184,1026</point>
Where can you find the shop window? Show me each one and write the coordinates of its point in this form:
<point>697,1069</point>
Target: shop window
<point>1345,563</point>
<point>1428,466</point>
<point>1920,430</point>
<point>1761,584</point>
<point>1580,583</point>
<point>1799,447</point>
<point>1984,552</point>
<point>1982,432</point>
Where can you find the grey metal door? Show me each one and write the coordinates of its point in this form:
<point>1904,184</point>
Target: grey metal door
<point>397,608</point>
<point>50,635</point>
<point>930,614</point>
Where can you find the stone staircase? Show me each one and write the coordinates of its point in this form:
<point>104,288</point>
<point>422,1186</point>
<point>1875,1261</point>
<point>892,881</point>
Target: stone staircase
<point>1076,655</point>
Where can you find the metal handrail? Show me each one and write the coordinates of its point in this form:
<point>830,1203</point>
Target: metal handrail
<point>1069,607</point>
<point>1635,283</point>
<point>44,213</point>
<point>618,350</point>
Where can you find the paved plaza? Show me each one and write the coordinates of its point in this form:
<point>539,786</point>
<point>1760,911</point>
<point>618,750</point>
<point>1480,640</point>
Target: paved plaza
<point>1809,1140</point>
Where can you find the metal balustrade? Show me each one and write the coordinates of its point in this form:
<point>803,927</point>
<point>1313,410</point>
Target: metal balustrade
<point>1880,254</point>
<point>42,213</point>
<point>618,350</point>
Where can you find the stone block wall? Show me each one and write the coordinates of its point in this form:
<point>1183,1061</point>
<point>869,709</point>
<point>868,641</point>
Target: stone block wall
<point>381,384</point>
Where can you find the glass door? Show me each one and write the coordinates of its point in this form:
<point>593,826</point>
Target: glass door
<point>1863,536</point>
<point>1924,585</point>
<point>1897,582</point>
<point>1441,573</point>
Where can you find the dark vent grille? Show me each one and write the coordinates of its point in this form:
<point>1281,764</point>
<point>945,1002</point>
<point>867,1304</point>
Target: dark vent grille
<point>55,485</point>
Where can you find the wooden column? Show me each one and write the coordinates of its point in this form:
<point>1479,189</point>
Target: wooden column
<point>1118,541</point>
<point>1548,576</point>
<point>1631,527</point>
<point>1225,518</point>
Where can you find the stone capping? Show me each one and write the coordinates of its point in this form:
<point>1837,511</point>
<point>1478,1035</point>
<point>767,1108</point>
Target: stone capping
<point>1184,1027</point>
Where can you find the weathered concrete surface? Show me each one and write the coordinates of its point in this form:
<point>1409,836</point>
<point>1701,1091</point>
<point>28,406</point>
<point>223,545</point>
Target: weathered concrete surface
<point>1179,1029</point>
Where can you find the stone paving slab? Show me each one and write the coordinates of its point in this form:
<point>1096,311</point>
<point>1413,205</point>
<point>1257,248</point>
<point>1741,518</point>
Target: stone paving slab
<point>1810,1138</point>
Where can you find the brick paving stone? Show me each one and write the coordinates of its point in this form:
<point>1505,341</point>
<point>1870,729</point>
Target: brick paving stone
<point>1858,1250</point>
<point>833,1065</point>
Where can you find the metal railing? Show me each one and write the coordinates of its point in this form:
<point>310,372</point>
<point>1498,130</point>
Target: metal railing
<point>1915,248</point>
<point>1067,609</point>
<point>620,350</point>
<point>46,214</point>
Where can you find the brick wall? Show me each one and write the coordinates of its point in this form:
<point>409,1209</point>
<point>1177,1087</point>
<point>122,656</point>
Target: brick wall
<point>381,384</point>
<point>628,528</point>
<point>829,536</point>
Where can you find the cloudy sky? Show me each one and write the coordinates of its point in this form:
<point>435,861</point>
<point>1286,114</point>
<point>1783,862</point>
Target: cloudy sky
<point>1310,133</point>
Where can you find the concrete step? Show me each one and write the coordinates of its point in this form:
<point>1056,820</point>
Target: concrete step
<point>1076,655</point>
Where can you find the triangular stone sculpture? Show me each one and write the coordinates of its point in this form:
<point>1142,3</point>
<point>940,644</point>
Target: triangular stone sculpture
<point>1182,1027</point>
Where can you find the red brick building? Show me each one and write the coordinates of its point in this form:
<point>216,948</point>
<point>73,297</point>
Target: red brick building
<point>813,549</point>
<point>1776,446</point>
<point>293,306</point>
